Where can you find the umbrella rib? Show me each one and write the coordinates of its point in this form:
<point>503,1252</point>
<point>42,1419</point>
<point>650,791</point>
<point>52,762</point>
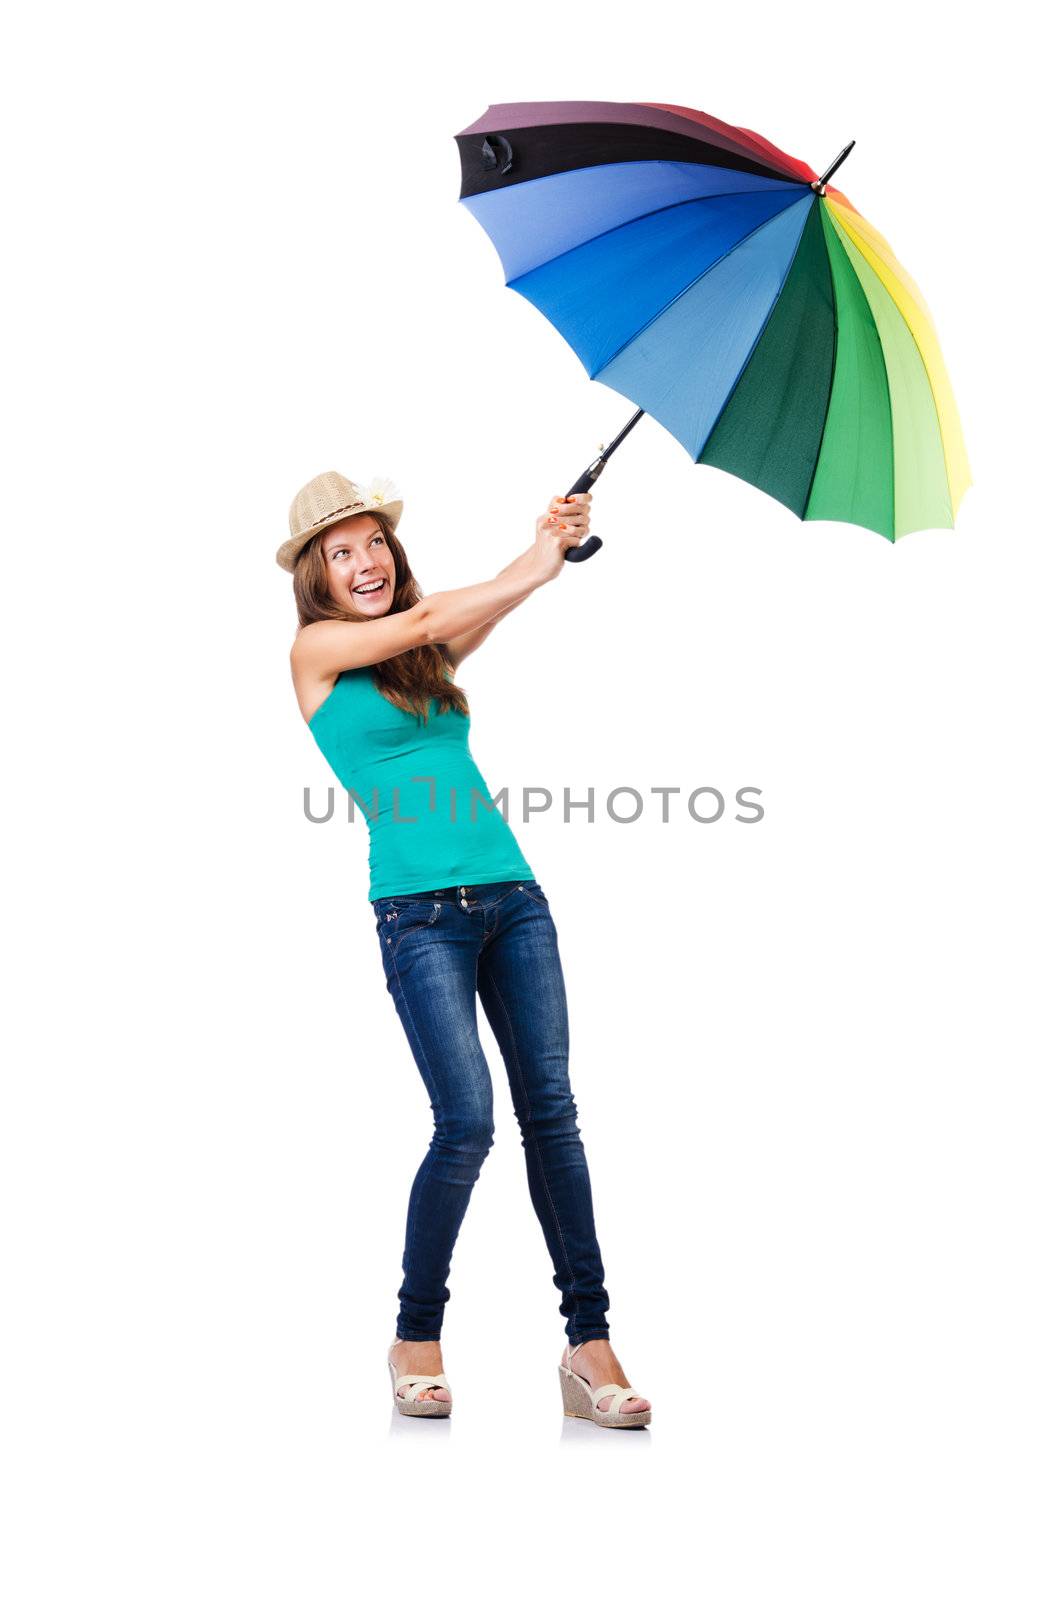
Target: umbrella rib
<point>656,211</point>
<point>754,346</point>
<point>831,380</point>
<point>847,247</point>
<point>697,279</point>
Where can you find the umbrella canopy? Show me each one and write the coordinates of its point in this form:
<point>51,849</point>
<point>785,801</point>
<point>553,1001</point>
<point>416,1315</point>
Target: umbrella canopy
<point>717,282</point>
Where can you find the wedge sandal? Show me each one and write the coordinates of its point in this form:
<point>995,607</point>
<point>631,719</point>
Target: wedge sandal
<point>580,1400</point>
<point>408,1404</point>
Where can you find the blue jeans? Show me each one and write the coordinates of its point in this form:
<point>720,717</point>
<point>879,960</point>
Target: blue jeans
<point>439,947</point>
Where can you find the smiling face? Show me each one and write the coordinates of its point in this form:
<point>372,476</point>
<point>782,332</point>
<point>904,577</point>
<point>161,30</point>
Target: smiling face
<point>356,558</point>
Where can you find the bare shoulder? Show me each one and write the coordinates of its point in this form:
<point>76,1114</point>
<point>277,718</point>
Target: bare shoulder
<point>311,686</point>
<point>307,639</point>
<point>324,649</point>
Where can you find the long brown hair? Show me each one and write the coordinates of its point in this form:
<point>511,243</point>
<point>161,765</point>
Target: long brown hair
<point>409,681</point>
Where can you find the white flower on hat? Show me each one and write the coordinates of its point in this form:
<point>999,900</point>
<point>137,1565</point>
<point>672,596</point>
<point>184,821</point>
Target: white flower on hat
<point>380,492</point>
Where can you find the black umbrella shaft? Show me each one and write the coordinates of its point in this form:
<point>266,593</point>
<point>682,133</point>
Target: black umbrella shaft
<point>617,440</point>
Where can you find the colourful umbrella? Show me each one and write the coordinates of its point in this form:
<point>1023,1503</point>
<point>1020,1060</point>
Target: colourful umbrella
<point>742,301</point>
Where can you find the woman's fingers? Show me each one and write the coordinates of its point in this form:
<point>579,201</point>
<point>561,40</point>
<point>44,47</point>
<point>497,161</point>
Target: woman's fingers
<point>573,510</point>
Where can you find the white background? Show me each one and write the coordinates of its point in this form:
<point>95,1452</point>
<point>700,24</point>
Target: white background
<point>813,1058</point>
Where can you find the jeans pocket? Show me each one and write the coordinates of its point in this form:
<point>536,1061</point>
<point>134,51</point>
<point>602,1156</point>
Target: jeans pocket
<point>533,891</point>
<point>401,917</point>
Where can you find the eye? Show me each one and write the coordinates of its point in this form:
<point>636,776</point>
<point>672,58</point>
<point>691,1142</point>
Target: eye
<point>341,551</point>
<point>378,536</point>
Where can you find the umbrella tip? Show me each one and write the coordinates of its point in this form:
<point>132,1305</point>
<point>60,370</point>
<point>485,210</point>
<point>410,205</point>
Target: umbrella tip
<point>819,183</point>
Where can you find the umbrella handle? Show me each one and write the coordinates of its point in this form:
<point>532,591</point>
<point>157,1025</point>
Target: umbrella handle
<point>589,547</point>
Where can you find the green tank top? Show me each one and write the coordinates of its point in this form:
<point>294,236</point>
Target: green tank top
<point>431,821</point>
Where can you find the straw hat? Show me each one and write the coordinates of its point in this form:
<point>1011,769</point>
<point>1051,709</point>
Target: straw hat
<point>328,498</point>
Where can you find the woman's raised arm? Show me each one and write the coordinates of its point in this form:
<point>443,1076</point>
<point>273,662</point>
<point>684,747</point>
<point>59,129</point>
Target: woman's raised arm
<point>573,507</point>
<point>323,649</point>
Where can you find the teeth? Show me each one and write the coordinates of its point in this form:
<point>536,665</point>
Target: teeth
<point>370,588</point>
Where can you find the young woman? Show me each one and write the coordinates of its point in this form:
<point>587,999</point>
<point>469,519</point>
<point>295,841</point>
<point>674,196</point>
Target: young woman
<point>458,911</point>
